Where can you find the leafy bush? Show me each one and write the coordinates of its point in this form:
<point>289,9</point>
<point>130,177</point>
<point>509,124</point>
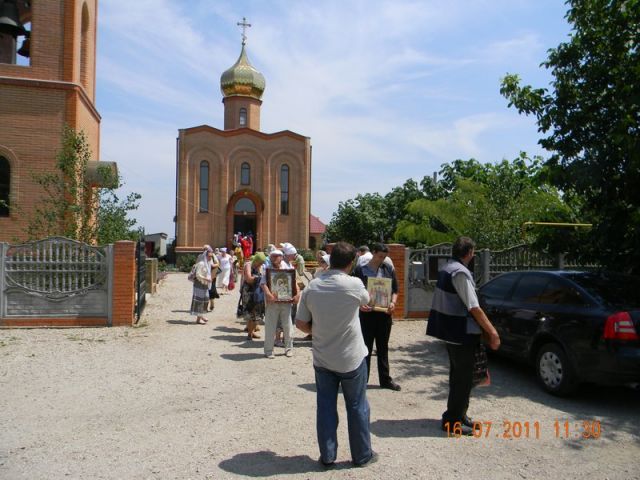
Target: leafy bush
<point>308,255</point>
<point>185,262</point>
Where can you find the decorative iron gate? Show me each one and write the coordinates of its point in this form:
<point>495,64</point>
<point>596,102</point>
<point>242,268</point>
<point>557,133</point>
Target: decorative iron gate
<point>55,277</point>
<point>422,275</point>
<point>141,282</point>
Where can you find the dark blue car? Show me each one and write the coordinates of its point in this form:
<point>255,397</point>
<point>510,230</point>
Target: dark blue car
<point>573,327</point>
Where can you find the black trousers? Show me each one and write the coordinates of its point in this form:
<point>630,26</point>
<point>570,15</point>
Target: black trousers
<point>461,362</point>
<point>377,326</point>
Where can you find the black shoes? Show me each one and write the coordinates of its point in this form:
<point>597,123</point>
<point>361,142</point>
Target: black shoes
<point>462,428</point>
<point>391,385</point>
<point>326,466</point>
<point>371,461</point>
<point>467,421</point>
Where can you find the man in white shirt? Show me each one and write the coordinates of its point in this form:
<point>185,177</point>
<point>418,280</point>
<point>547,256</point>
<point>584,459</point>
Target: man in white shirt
<point>333,300</point>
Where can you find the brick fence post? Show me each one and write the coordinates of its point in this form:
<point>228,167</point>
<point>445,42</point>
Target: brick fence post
<point>398,257</point>
<point>124,273</point>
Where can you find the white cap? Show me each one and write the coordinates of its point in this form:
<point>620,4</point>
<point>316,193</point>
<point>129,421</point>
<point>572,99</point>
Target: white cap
<point>326,258</point>
<point>276,252</point>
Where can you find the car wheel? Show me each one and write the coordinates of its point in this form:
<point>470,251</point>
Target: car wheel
<point>554,370</point>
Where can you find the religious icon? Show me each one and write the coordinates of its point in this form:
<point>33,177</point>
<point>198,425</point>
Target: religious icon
<point>280,283</point>
<point>379,293</point>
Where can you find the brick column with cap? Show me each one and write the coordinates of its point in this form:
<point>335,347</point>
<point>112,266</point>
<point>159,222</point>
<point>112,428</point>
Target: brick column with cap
<point>124,273</point>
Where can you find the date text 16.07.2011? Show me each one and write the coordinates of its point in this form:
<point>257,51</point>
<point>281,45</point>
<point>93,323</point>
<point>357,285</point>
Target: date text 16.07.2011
<point>562,429</point>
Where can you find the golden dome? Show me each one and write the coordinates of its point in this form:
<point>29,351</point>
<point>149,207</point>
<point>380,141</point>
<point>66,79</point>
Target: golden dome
<point>242,79</point>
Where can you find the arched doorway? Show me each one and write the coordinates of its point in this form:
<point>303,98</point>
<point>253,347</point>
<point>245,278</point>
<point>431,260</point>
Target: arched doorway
<point>244,214</point>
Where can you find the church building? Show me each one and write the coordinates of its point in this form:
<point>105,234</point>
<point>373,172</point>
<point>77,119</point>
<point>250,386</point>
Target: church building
<point>47,81</point>
<point>241,179</point>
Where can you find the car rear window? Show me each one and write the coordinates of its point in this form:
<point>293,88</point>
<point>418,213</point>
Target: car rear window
<point>610,288</point>
<point>499,287</point>
<point>529,288</point>
<point>560,292</point>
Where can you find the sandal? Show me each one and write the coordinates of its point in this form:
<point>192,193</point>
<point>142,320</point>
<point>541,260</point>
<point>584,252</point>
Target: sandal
<point>201,321</point>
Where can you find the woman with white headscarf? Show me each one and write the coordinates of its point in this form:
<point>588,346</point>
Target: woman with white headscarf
<point>201,285</point>
<point>225,270</point>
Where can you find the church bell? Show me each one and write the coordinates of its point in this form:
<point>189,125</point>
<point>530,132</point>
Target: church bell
<point>10,18</point>
<point>26,46</point>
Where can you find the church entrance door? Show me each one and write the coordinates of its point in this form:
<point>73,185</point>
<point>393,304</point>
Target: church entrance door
<point>244,218</point>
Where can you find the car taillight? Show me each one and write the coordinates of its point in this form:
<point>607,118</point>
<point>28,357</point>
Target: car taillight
<point>619,326</point>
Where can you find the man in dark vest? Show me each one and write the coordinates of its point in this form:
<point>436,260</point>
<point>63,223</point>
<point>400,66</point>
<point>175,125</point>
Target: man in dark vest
<point>456,318</point>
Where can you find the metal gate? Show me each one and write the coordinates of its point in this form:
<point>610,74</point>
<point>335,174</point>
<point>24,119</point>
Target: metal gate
<point>423,266</point>
<point>141,282</point>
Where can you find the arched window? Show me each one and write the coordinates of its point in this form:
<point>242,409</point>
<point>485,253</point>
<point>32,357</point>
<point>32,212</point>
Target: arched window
<point>284,190</point>
<point>243,117</point>
<point>5,186</point>
<point>84,48</point>
<point>204,186</point>
<point>244,206</point>
<point>245,174</point>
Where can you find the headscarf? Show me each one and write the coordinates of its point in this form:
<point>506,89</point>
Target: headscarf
<point>259,257</point>
<point>203,258</point>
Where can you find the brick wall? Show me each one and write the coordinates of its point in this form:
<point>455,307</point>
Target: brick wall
<point>36,101</point>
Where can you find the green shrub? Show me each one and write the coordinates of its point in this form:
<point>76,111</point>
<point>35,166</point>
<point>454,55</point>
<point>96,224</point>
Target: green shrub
<point>185,262</point>
<point>308,255</point>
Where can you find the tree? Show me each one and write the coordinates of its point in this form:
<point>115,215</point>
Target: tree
<point>360,220</point>
<point>72,207</point>
<point>488,202</point>
<point>590,117</point>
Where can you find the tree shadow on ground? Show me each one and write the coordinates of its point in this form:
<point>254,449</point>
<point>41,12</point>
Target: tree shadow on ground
<point>240,357</point>
<point>268,464</point>
<point>180,311</point>
<point>417,427</point>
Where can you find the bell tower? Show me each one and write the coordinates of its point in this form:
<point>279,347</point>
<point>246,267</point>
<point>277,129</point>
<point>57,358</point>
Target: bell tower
<point>47,81</point>
<point>242,87</point>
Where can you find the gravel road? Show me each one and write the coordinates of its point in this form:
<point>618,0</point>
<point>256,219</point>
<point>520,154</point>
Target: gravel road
<point>175,400</point>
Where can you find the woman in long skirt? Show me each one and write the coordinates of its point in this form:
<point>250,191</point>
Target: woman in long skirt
<point>225,271</point>
<point>201,284</point>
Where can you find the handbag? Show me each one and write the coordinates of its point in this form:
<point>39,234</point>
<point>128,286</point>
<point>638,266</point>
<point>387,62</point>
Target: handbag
<point>232,282</point>
<point>192,274</point>
<point>240,308</point>
<point>481,376</point>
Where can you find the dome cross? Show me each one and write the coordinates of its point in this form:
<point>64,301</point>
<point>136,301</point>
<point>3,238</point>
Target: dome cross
<point>244,26</point>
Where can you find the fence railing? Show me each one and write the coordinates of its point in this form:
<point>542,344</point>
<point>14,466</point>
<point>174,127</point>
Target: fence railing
<point>424,265</point>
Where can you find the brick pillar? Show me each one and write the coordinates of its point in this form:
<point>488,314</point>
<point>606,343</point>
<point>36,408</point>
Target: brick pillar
<point>397,255</point>
<point>124,272</point>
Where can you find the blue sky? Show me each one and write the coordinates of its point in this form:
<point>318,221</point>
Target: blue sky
<point>387,90</point>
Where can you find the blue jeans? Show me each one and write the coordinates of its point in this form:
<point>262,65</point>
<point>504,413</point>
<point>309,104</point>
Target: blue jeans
<point>354,390</point>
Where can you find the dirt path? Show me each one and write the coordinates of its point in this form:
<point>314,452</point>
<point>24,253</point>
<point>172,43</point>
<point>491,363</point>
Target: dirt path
<point>172,399</point>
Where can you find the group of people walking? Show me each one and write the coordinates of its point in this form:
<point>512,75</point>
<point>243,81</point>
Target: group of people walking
<point>334,308</point>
